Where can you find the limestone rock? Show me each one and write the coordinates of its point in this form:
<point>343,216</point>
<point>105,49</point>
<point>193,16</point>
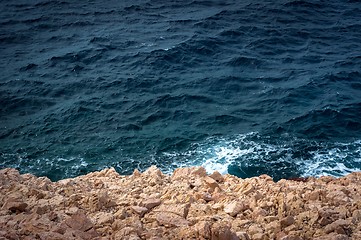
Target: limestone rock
<point>338,226</point>
<point>15,205</point>
<point>217,176</point>
<point>151,203</point>
<point>140,210</point>
<point>203,229</point>
<point>222,232</point>
<point>79,222</point>
<point>169,219</point>
<point>234,208</point>
<point>211,183</point>
<point>187,205</point>
<point>287,221</point>
<point>179,209</point>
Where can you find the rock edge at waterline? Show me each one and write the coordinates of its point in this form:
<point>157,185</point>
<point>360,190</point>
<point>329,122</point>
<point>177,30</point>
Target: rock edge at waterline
<point>189,204</point>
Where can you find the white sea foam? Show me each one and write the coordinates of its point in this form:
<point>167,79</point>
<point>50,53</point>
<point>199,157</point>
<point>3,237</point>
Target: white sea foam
<point>253,150</point>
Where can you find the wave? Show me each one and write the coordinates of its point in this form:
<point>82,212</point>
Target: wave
<point>252,154</point>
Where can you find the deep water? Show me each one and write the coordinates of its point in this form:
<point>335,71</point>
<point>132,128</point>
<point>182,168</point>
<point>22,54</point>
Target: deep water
<point>242,87</point>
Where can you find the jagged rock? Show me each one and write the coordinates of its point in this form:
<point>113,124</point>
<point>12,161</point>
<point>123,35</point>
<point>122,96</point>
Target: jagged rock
<point>185,173</point>
<point>203,229</point>
<point>211,183</point>
<point>222,232</point>
<point>333,236</point>
<point>217,176</point>
<point>287,221</point>
<point>234,208</point>
<point>140,210</point>
<point>15,205</point>
<point>103,218</point>
<point>188,205</point>
<point>136,173</point>
<point>243,236</point>
<point>179,209</point>
<point>356,216</point>
<point>337,226</point>
<point>151,203</point>
<point>247,189</point>
<point>169,219</point>
<point>79,221</point>
<point>127,233</point>
<point>291,237</point>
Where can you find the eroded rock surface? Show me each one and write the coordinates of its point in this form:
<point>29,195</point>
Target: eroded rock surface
<point>187,205</point>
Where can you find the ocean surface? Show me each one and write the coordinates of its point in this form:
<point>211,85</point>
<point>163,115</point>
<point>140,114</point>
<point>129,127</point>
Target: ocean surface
<point>242,87</point>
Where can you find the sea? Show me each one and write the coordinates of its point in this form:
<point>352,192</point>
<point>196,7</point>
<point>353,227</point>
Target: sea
<point>244,87</point>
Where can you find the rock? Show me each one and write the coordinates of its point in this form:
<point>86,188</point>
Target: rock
<point>179,209</point>
<point>15,205</point>
<point>243,236</point>
<point>136,173</point>
<point>356,216</point>
<point>217,176</point>
<point>199,171</point>
<point>50,235</point>
<point>127,233</point>
<point>255,229</point>
<point>247,189</point>
<point>79,222</point>
<point>185,173</point>
<point>169,219</point>
<point>207,197</point>
<point>140,210</point>
<point>188,205</point>
<point>104,218</point>
<point>153,172</point>
<point>287,221</point>
<point>291,237</point>
<point>151,203</point>
<point>333,236</point>
<point>313,196</point>
<point>337,226</point>
<point>222,232</point>
<point>259,236</point>
<point>273,227</point>
<point>234,208</point>
<point>203,229</point>
<point>211,183</point>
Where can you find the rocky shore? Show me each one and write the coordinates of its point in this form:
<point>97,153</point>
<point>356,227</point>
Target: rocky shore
<point>189,204</point>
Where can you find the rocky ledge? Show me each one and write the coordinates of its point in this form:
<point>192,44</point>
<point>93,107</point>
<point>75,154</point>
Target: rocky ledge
<point>189,204</point>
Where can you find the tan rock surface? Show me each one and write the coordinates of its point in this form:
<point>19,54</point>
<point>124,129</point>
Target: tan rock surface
<point>187,205</point>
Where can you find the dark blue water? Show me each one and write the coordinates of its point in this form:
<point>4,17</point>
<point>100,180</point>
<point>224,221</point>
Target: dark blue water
<point>244,87</point>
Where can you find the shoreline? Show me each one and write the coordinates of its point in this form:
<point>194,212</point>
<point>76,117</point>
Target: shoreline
<point>189,204</point>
